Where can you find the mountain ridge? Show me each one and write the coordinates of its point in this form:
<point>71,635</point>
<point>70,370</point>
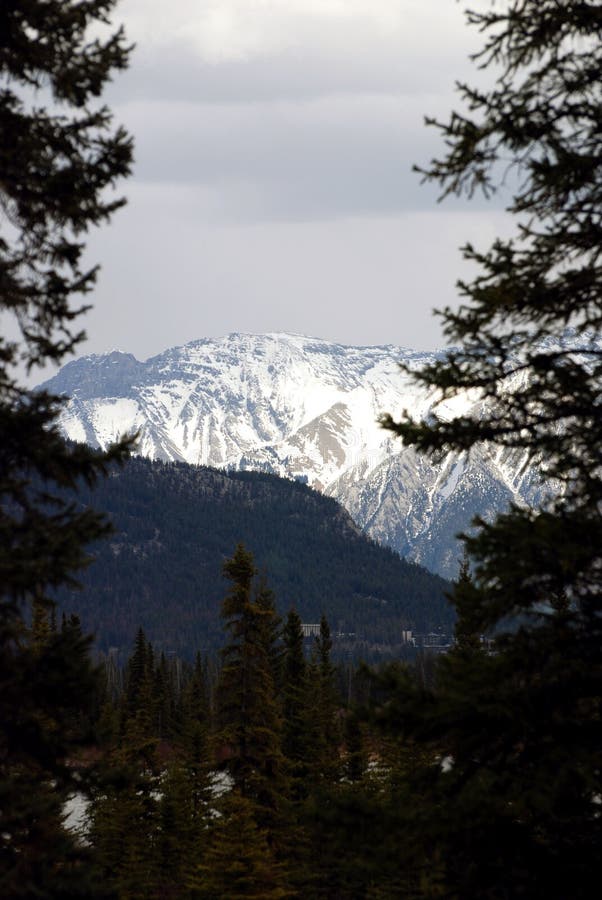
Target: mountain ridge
<point>307,409</point>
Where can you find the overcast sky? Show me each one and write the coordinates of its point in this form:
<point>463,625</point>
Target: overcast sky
<point>272,188</point>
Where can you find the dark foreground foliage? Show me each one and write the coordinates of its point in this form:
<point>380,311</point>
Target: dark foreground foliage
<point>59,153</point>
<point>516,810</point>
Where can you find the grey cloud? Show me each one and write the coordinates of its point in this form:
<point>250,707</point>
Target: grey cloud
<point>328,124</point>
<point>175,71</point>
<point>276,193</point>
<point>331,157</point>
<point>168,278</point>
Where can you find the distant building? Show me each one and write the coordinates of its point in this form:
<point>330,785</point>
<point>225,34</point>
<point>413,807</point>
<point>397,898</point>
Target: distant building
<point>310,630</point>
<point>435,639</point>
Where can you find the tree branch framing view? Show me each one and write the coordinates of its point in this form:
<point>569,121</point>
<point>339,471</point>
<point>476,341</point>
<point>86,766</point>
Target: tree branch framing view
<point>271,771</point>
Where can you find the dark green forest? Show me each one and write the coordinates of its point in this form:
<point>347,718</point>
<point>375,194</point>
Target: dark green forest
<point>269,770</point>
<point>174,525</point>
<point>264,772</point>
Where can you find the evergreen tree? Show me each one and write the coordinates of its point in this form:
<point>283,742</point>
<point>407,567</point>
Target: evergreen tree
<point>186,811</point>
<point>295,706</point>
<point>139,673</point>
<point>56,163</point>
<point>164,701</point>
<point>521,727</point>
<point>467,637</point>
<point>139,702</point>
<point>324,726</point>
<point>248,720</point>
<point>187,804</point>
<point>271,628</point>
<point>126,813</point>
<point>299,753</point>
<point>197,691</point>
<point>125,826</point>
<point>45,689</point>
<point>239,863</point>
<point>196,713</point>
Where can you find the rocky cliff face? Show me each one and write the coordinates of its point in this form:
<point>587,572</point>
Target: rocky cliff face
<point>300,408</point>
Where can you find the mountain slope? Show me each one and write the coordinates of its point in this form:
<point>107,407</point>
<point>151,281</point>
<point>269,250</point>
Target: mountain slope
<point>306,409</point>
<point>174,526</point>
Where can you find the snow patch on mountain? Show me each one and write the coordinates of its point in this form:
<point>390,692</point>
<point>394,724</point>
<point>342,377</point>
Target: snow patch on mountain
<point>301,408</point>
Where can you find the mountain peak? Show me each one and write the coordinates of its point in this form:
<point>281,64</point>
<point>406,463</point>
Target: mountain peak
<point>307,409</point>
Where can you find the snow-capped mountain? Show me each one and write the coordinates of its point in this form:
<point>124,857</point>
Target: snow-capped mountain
<point>301,408</point>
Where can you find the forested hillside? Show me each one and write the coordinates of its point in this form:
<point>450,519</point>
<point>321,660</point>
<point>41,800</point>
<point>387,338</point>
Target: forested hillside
<point>174,526</point>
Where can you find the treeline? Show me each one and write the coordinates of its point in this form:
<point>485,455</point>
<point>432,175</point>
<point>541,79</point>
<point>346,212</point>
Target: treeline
<point>174,526</point>
<point>254,775</point>
<point>273,773</point>
<point>248,779</point>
